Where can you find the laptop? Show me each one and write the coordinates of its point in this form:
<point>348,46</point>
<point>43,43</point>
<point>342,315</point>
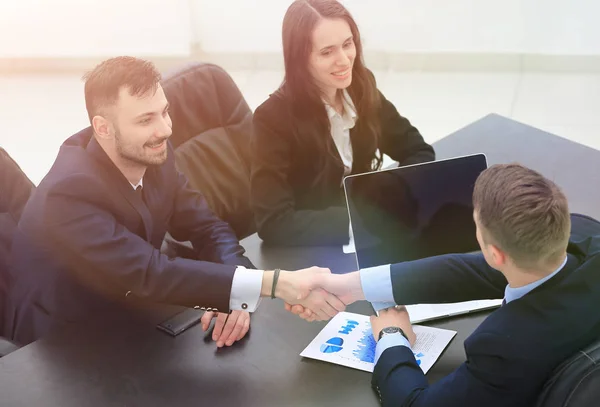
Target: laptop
<point>416,211</point>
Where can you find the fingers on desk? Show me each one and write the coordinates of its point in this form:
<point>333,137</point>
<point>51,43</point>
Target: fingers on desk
<point>205,320</point>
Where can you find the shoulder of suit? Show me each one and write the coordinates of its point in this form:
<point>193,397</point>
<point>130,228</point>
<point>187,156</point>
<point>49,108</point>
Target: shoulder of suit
<point>70,178</point>
<point>492,336</point>
<point>73,159</point>
<point>72,163</point>
<point>273,108</point>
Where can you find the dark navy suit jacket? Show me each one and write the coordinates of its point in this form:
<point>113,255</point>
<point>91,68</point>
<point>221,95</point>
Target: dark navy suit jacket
<point>87,242</point>
<point>514,350</point>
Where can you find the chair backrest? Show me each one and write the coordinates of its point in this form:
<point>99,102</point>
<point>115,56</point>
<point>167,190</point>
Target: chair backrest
<point>583,226</point>
<point>212,124</point>
<point>15,189</point>
<point>576,381</point>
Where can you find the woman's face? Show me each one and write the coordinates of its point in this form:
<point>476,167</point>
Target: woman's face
<point>332,55</point>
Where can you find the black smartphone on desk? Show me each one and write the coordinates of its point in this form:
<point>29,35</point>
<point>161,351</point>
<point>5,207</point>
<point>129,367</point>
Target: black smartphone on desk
<point>181,321</point>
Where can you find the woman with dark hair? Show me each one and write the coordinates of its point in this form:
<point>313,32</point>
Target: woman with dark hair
<point>326,121</point>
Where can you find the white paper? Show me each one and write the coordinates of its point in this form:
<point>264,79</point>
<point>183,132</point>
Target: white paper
<point>347,340</point>
<point>426,312</point>
<point>349,248</point>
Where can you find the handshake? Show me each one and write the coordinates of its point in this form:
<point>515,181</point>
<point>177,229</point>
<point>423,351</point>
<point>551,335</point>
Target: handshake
<point>313,293</point>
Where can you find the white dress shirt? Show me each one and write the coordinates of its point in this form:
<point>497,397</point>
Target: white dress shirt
<point>246,284</point>
<point>139,184</point>
<point>340,129</point>
<point>340,132</point>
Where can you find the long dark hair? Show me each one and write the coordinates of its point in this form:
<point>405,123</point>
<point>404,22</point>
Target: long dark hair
<point>299,23</point>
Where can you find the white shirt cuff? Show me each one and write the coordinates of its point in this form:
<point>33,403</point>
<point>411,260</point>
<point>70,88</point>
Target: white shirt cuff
<point>389,341</point>
<point>376,284</point>
<point>245,289</point>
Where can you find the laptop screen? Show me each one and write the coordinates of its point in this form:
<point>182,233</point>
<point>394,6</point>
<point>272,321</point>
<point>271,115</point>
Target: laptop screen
<point>412,212</point>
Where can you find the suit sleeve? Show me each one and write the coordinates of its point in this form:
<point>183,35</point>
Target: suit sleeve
<point>401,141</point>
<point>277,219</point>
<point>487,378</point>
<point>212,238</point>
<point>16,187</point>
<point>445,279</point>
<point>105,255</point>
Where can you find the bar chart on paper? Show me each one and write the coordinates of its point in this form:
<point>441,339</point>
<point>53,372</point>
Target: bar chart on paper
<point>347,340</point>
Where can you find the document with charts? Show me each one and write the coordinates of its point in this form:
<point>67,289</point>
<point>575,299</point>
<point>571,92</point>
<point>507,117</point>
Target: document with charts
<point>347,340</point>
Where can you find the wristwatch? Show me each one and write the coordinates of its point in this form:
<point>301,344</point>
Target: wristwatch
<point>391,330</point>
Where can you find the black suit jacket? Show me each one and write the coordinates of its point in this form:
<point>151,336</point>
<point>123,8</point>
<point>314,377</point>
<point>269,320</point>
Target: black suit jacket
<point>88,242</point>
<point>512,353</point>
<point>298,201</point>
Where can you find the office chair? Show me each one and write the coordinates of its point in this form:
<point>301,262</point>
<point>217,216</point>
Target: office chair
<point>15,189</point>
<point>212,125</point>
<point>575,382</point>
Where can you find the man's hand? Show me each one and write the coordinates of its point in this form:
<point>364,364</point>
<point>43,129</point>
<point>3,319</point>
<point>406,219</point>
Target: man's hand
<point>322,305</point>
<point>294,286</point>
<point>346,287</point>
<point>395,316</point>
<point>229,328</point>
<point>302,288</point>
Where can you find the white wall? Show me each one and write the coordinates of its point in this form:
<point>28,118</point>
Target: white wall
<point>91,28</point>
<point>238,25</point>
<point>491,26</point>
<point>88,28</point>
<point>568,27</point>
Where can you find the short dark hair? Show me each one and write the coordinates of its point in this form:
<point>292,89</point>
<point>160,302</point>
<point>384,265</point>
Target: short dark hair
<point>103,83</point>
<point>523,213</point>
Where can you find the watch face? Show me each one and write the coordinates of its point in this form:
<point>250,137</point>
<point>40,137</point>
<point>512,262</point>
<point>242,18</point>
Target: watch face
<point>391,330</point>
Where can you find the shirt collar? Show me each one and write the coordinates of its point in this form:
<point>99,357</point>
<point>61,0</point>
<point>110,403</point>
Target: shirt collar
<point>139,184</point>
<point>349,108</point>
<point>511,294</point>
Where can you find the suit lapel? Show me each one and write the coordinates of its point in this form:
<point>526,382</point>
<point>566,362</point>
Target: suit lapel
<point>337,166</point>
<point>140,206</point>
<point>152,202</point>
<point>122,185</point>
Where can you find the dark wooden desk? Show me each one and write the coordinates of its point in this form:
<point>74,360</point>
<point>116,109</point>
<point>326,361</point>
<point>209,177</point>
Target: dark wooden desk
<point>574,167</point>
<point>122,360</point>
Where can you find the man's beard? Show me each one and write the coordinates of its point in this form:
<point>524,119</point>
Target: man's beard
<point>136,156</point>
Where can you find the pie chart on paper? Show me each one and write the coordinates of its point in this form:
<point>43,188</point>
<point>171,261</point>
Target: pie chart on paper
<point>333,345</point>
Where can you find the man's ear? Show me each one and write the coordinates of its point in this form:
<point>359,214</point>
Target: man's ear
<point>498,256</point>
<point>102,127</point>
